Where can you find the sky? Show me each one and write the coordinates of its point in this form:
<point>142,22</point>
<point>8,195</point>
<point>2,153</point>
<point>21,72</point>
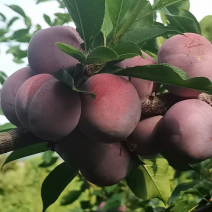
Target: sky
<point>35,12</point>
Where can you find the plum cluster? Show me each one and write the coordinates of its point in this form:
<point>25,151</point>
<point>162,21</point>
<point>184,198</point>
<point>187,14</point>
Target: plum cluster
<point>102,135</point>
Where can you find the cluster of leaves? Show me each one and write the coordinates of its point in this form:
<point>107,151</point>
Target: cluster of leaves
<point>113,31</point>
<point>22,36</point>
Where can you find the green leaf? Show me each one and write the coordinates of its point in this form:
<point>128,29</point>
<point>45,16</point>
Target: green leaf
<point>148,32</point>
<point>17,9</point>
<point>127,50</point>
<point>3,18</point>
<point>12,21</point>
<point>116,200</point>
<point>3,77</point>
<point>167,74</point>
<point>6,127</point>
<point>126,15</point>
<point>47,19</point>
<point>25,152</point>
<point>19,33</point>
<point>63,76</point>
<point>186,23</point>
<point>101,55</point>
<point>150,180</point>
<point>88,17</point>
<point>159,4</point>
<point>206,27</point>
<point>28,22</point>
<point>56,182</point>
<point>107,25</point>
<point>3,31</point>
<point>70,197</point>
<point>72,51</point>
<point>48,159</point>
<point>181,187</point>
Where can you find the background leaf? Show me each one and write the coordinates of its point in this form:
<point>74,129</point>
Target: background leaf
<point>159,4</point>
<point>56,182</point>
<point>17,9</point>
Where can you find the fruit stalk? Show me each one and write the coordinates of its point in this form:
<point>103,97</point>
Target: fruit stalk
<point>152,105</point>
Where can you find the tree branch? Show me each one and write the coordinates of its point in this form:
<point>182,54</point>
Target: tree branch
<point>151,106</point>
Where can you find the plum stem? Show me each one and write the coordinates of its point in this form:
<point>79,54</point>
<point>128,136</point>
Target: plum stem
<point>152,105</point>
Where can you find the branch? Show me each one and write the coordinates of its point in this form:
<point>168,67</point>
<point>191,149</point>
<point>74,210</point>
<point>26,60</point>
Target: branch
<point>151,106</point>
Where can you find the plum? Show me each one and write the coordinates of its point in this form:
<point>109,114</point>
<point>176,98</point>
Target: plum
<point>47,107</point>
<point>114,166</point>
<point>144,139</point>
<point>143,87</point>
<point>191,53</point>
<point>45,57</point>
<point>9,92</point>
<point>114,113</point>
<point>78,150</point>
<point>186,131</point>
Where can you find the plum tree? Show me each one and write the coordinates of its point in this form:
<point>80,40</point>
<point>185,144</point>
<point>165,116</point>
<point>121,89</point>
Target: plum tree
<point>143,87</point>
<point>47,107</point>
<point>144,139</point>
<point>114,166</point>
<point>78,150</point>
<point>191,53</point>
<point>45,57</point>
<point>186,131</point>
<point>114,113</point>
<point>9,91</point>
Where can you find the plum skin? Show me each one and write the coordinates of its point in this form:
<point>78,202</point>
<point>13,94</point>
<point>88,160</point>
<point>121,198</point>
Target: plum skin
<point>48,108</point>
<point>191,53</point>
<point>9,92</point>
<point>144,140</point>
<point>79,151</point>
<point>186,131</point>
<point>115,111</point>
<point>143,87</point>
<point>45,57</point>
<point>114,167</point>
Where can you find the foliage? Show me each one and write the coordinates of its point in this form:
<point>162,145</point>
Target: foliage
<point>121,30</point>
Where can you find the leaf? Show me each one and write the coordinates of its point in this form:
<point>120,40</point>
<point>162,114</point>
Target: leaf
<point>56,182</point>
<point>125,15</point>
<point>159,4</point>
<point>48,159</point>
<point>70,197</point>
<point>19,33</point>
<point>72,51</point>
<point>88,17</point>
<point>28,22</point>
<point>12,21</point>
<point>63,76</point>
<point>17,9</point>
<point>148,32</point>
<point>206,27</point>
<point>150,180</point>
<point>167,74</point>
<point>101,55</point>
<point>3,17</point>
<point>127,50</point>
<point>116,200</point>
<point>47,19</point>
<point>3,77</point>
<point>6,127</point>
<point>183,23</point>
<point>107,25</point>
<point>181,187</point>
<point>27,151</point>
